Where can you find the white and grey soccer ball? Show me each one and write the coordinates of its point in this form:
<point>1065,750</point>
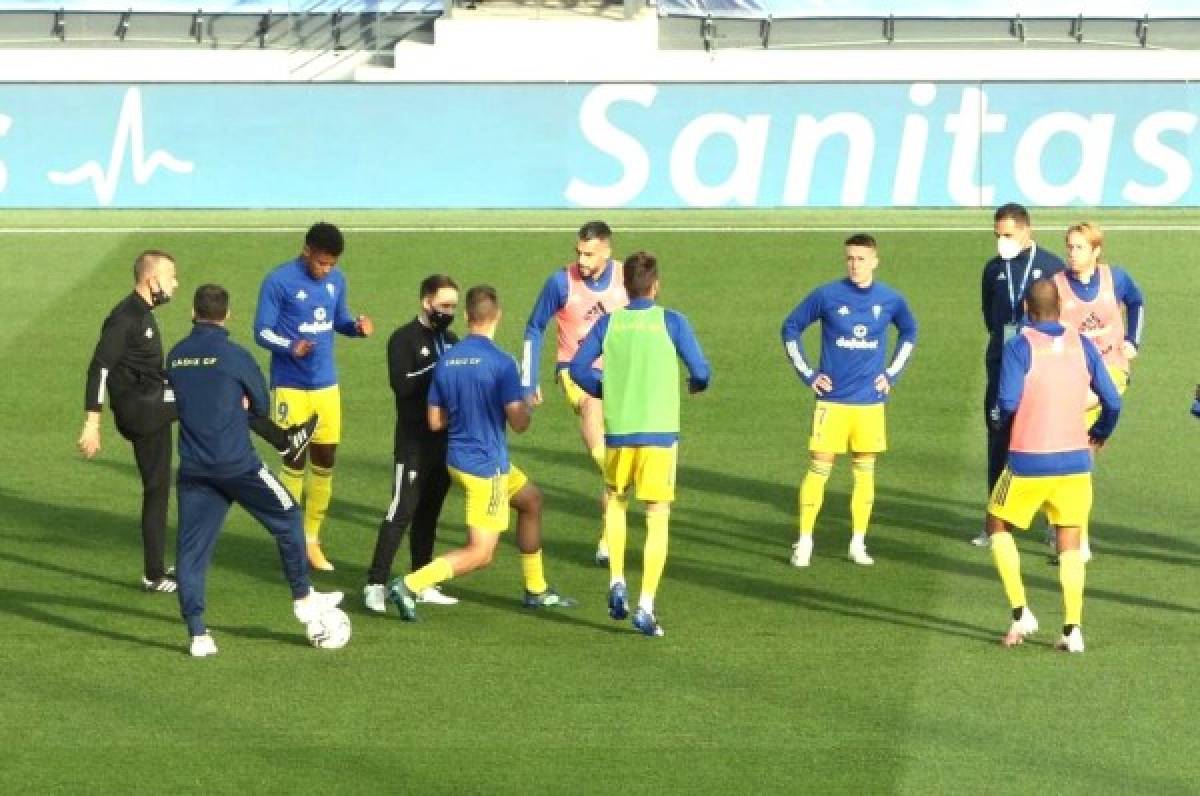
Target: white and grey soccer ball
<point>330,630</point>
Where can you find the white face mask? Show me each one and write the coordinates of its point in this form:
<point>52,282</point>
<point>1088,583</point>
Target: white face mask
<point>1007,248</point>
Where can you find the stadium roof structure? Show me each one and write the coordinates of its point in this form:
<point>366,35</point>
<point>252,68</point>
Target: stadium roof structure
<point>928,24</point>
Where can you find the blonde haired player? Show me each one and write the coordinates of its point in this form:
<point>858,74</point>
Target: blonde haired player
<point>576,296</point>
<point>1103,304</point>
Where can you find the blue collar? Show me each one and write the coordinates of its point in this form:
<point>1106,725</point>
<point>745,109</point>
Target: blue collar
<point>640,304</point>
<point>204,327</point>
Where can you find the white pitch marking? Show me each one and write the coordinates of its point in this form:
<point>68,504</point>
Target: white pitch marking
<point>522,228</point>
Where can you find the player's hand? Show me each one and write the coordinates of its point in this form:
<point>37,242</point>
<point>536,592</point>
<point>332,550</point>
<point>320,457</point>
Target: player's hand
<point>302,348</point>
<point>882,385</point>
<point>534,398</point>
<point>366,327</point>
<point>1128,349</point>
<point>89,440</point>
<point>822,384</point>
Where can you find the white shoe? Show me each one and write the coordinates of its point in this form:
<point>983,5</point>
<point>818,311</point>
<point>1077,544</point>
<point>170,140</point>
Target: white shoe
<point>1027,625</point>
<point>1085,551</point>
<point>375,597</point>
<point>434,596</point>
<point>982,540</point>
<point>802,551</point>
<point>1072,642</point>
<point>858,554</point>
<point>601,557</point>
<point>204,646</point>
<point>316,603</point>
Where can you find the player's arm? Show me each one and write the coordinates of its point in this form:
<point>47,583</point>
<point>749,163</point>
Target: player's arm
<point>254,386</point>
<point>1015,361</point>
<point>552,299</point>
<point>1129,294</point>
<point>435,408</point>
<point>582,372</point>
<point>906,341</point>
<point>516,409</point>
<point>1110,400</point>
<point>804,315</point>
<point>688,349</point>
<point>344,322</point>
<point>114,341</point>
<point>266,316</point>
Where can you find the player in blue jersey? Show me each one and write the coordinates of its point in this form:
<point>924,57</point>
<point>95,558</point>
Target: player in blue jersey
<point>301,305</point>
<point>220,391</point>
<point>852,383</point>
<point>476,391</point>
<point>576,297</point>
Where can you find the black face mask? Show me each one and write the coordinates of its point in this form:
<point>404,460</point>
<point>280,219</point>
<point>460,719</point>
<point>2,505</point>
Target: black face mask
<point>440,321</point>
<point>158,297</point>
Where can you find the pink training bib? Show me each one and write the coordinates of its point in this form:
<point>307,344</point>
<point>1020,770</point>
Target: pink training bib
<point>586,306</point>
<point>1099,320</point>
<point>1049,417</point>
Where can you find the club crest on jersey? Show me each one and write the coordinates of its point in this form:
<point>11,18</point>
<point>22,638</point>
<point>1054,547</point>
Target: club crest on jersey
<point>331,289</point>
<point>301,295</point>
<point>424,351</point>
<point>876,310</point>
<point>843,310</point>
<point>412,476</point>
<point>149,333</point>
<point>860,331</point>
<point>1037,273</point>
<point>1000,277</point>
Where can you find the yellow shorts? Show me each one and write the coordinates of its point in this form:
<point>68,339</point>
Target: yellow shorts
<point>1121,379</point>
<point>292,405</point>
<point>651,470</point>
<point>1067,499</point>
<point>571,391</point>
<point>488,498</point>
<point>859,428</point>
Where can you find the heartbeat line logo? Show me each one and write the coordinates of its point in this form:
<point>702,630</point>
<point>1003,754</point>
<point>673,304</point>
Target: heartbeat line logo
<point>128,135</point>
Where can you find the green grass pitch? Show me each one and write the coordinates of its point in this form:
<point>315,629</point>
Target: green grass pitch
<point>835,679</point>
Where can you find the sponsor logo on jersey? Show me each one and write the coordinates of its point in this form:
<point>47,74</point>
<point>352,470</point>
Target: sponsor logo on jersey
<point>316,327</point>
<point>857,344</point>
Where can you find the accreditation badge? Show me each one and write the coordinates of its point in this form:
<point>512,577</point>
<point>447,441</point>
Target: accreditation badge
<point>1011,330</point>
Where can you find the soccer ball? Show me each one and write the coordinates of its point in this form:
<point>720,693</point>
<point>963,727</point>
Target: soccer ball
<point>330,630</point>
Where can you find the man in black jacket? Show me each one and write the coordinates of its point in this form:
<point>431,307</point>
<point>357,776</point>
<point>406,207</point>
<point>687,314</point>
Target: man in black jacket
<point>420,480</point>
<point>128,363</point>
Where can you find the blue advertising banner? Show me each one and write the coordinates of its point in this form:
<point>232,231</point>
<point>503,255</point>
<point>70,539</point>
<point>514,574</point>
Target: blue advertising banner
<point>609,145</point>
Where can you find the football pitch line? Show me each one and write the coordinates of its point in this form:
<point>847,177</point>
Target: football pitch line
<point>564,228</point>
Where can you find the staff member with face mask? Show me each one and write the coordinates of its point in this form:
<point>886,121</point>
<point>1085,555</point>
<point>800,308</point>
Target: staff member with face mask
<point>1018,263</point>
<point>420,479</point>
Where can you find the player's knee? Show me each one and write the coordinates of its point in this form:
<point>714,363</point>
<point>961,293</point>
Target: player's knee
<point>323,455</point>
<point>528,500</point>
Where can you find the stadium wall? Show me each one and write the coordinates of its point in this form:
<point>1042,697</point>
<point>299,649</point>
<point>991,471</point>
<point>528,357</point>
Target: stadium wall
<point>634,145</point>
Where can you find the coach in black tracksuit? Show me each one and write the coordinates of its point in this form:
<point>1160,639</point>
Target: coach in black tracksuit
<point>420,480</point>
<point>128,363</point>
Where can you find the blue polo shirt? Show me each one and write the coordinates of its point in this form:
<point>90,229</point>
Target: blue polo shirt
<point>473,382</point>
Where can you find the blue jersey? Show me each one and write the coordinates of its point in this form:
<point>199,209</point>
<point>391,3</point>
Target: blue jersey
<point>591,380</point>
<point>1127,292</point>
<point>854,335</point>
<point>210,375</point>
<point>293,306</point>
<point>473,382</point>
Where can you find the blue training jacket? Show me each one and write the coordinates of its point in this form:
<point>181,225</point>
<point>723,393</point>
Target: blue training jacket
<point>210,375</point>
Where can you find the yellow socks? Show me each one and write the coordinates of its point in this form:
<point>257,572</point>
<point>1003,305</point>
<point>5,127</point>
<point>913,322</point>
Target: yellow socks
<point>654,555</point>
<point>862,495</point>
<point>1008,564</point>
<point>535,576</point>
<point>616,533</point>
<point>1071,575</point>
<point>436,571</point>
<point>812,494</point>
<point>294,481</point>
<point>320,490</point>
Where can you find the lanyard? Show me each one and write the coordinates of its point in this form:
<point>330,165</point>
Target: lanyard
<point>1013,298</point>
<point>439,344</point>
